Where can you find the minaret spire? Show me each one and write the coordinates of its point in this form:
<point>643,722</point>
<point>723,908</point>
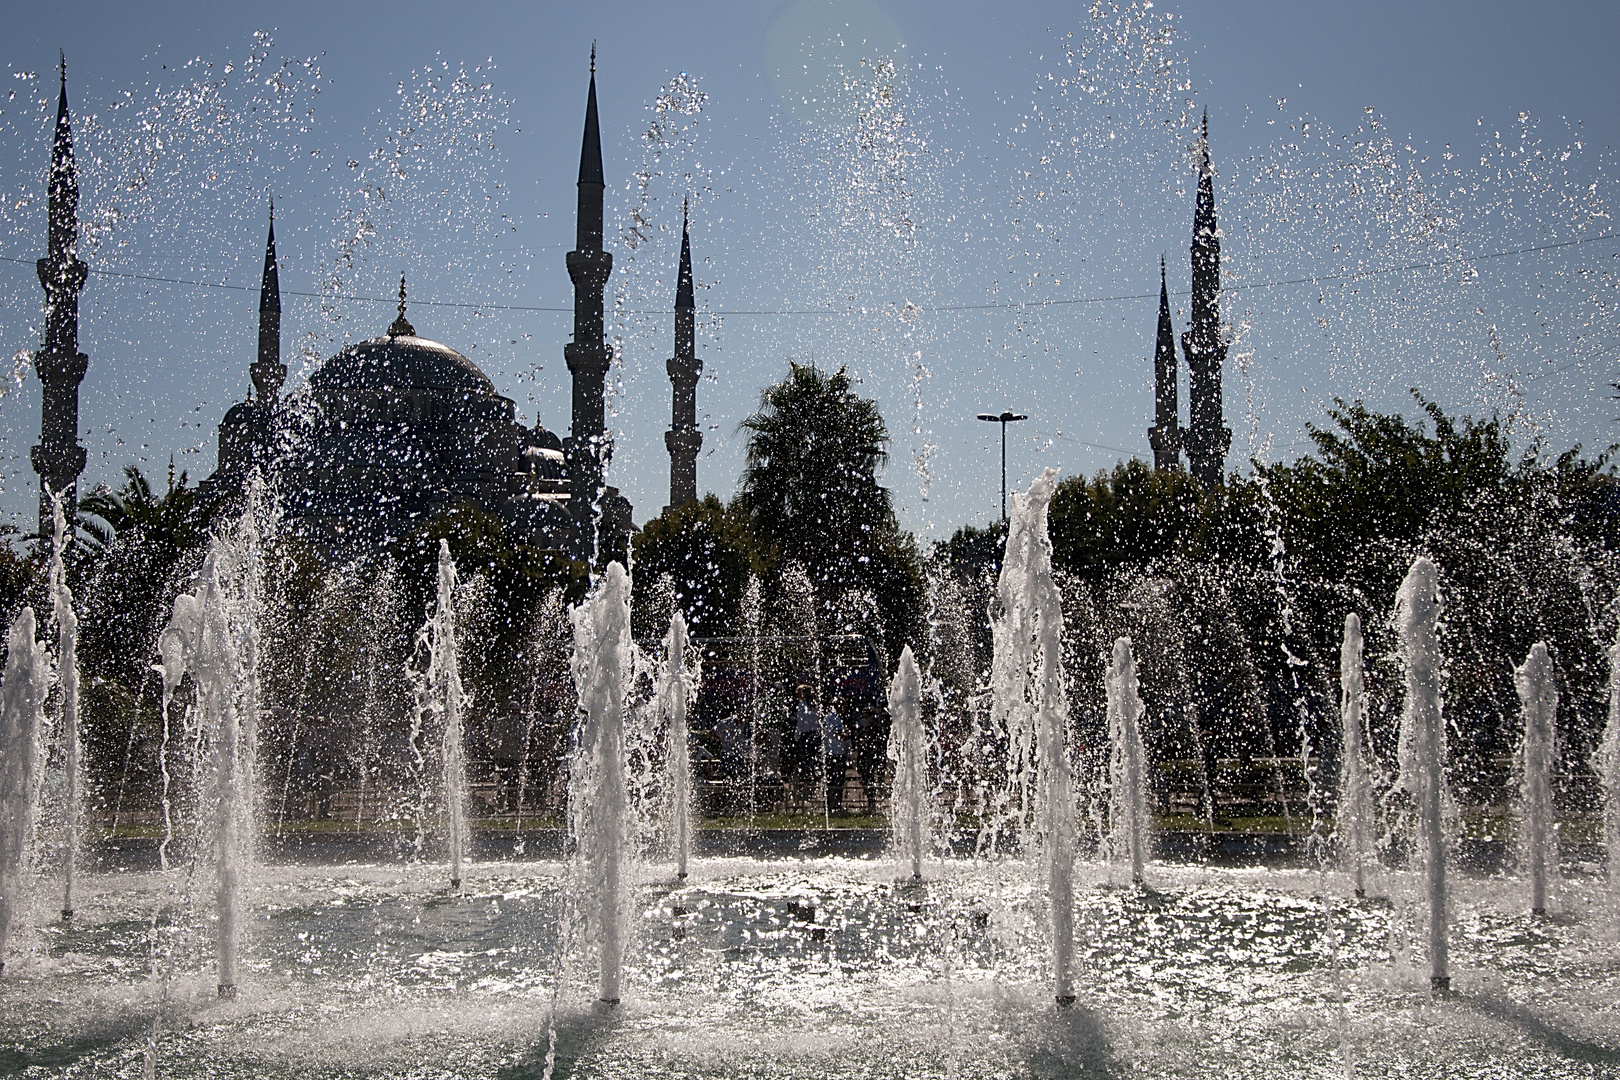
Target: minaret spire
<point>1165,435</point>
<point>1208,438</point>
<point>683,439</point>
<point>401,326</point>
<point>589,448</point>
<point>268,371</point>
<point>59,459</point>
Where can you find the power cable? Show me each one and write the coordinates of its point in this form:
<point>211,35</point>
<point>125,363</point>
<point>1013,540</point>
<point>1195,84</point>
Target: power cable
<point>1016,305</point>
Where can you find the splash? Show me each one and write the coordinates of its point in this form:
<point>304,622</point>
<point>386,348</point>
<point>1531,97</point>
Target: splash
<point>1356,817</point>
<point>1423,748</point>
<point>1539,696</point>
<point>210,638</point>
<point>1030,704</point>
<point>22,715</point>
<point>598,812</point>
<point>440,703</point>
<point>67,667</point>
<point>908,749</point>
<point>677,691</point>
<point>1127,803</point>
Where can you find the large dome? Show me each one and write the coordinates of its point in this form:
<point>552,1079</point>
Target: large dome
<point>402,362</point>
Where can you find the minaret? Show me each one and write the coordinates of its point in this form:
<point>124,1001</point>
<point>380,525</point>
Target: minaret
<point>1165,435</point>
<point>59,459</point>
<point>683,439</point>
<point>268,371</point>
<point>1208,438</point>
<point>588,448</point>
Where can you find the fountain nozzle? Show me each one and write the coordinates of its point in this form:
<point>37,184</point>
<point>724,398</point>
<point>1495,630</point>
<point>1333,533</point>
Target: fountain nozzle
<point>1440,984</point>
<point>227,991</point>
<point>1065,1001</point>
<point>67,914</point>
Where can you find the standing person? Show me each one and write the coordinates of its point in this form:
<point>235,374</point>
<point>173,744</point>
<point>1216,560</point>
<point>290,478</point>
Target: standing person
<point>833,747</point>
<point>806,741</point>
<point>871,749</point>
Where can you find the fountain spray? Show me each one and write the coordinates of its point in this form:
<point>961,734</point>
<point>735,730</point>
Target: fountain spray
<point>1423,744</point>
<point>597,809</point>
<point>1127,810</point>
<point>202,640</point>
<point>675,689</point>
<point>909,752</point>
<point>439,695</point>
<point>22,714</point>
<point>1028,639</point>
<point>1539,696</point>
<point>67,628</point>
<point>1608,767</point>
<point>1355,817</point>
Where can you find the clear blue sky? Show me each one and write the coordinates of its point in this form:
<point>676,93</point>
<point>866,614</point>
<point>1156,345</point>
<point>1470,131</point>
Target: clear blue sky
<point>1030,155</point>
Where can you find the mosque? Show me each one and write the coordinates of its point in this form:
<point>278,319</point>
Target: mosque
<point>393,431</point>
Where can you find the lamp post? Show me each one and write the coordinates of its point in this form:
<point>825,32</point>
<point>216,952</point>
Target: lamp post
<point>1004,419</point>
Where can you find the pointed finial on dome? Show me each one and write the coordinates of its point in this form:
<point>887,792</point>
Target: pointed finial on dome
<point>593,56</point>
<point>272,209</point>
<point>1206,121</point>
<point>401,326</point>
<point>61,55</point>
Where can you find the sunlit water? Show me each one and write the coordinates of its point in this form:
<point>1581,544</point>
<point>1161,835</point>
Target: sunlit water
<point>376,970</point>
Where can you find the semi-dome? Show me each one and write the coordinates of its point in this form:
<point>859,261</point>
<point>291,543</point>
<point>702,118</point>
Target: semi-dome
<point>401,362</point>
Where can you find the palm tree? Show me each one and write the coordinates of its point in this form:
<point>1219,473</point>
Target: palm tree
<point>105,514</point>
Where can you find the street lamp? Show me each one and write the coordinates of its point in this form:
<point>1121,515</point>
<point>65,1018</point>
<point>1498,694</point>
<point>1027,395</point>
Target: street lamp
<point>1004,419</point>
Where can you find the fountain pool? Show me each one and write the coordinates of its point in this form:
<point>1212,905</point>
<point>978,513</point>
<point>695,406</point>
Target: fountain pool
<point>824,967</point>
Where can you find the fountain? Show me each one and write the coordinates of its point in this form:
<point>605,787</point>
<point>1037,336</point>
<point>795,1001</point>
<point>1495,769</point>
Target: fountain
<point>1608,768</point>
<point>598,816</point>
<point>440,699</point>
<point>1127,798</point>
<point>1534,681</point>
<point>1356,817</point>
<point>1423,749</point>
<point>22,715</point>
<point>776,947</point>
<point>205,639</point>
<point>1030,704</point>
<point>908,749</point>
<point>677,686</point>
<point>67,667</point>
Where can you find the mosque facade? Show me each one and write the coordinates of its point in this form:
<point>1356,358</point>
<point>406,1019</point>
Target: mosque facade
<point>391,432</point>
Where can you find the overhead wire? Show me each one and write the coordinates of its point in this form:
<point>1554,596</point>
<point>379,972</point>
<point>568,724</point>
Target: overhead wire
<point>1015,305</point>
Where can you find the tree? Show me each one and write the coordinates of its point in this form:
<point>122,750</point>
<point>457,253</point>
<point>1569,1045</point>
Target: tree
<point>810,494</point>
<point>708,552</point>
<point>809,488</point>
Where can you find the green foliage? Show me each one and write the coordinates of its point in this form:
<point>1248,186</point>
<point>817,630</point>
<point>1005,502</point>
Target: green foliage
<point>810,494</point>
<point>1132,516</point>
<point>1245,588</point>
<point>136,547</point>
<point>809,489</point>
<point>708,551</point>
<point>19,572</point>
<point>1527,551</point>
